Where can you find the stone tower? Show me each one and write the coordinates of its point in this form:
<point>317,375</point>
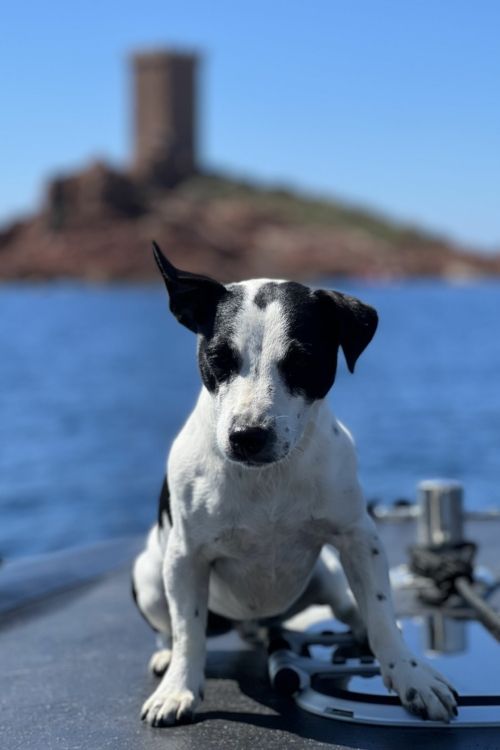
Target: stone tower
<point>165,116</point>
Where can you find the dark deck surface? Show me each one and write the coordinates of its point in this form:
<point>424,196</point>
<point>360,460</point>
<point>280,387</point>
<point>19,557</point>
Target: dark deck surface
<point>73,676</point>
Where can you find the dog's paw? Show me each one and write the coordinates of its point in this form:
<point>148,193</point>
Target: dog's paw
<point>165,708</point>
<point>422,691</point>
<point>158,664</point>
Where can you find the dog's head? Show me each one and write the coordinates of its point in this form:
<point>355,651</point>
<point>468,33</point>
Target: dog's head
<point>267,351</point>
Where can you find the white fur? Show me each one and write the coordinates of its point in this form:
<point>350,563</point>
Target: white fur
<point>258,395</point>
<point>247,542</point>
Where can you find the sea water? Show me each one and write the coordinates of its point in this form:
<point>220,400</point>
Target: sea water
<point>95,381</point>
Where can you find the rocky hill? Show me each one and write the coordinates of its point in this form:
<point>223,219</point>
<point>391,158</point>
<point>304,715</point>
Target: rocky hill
<point>99,225</point>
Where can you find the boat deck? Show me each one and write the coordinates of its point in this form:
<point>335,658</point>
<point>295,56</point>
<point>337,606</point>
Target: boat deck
<point>74,650</point>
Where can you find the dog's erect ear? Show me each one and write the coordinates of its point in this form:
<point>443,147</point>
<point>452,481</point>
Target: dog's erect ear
<point>355,323</point>
<point>193,298</point>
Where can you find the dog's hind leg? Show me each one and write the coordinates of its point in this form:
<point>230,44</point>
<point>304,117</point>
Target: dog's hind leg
<point>149,595</point>
<point>328,585</point>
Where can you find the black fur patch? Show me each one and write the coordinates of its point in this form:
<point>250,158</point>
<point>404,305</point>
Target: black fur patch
<point>266,294</point>
<point>309,366</point>
<point>193,297</point>
<point>354,321</point>
<point>318,323</point>
<point>218,360</point>
<point>164,504</point>
<point>221,360</point>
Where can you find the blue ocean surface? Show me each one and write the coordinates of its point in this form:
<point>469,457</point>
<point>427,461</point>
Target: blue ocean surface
<point>95,381</point>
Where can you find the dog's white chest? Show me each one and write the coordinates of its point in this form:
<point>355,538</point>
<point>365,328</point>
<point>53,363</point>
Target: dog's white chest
<point>259,572</point>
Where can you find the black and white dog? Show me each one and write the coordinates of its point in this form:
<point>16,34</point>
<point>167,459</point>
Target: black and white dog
<point>261,481</point>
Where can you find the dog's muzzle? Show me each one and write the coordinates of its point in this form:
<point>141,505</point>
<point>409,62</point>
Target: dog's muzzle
<point>252,445</point>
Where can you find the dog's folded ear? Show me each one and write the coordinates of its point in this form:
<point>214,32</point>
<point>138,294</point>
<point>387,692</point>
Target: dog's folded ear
<point>353,321</point>
<point>193,298</point>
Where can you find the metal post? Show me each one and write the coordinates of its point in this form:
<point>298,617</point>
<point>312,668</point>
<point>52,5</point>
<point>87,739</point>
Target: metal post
<point>444,635</point>
<point>441,511</point>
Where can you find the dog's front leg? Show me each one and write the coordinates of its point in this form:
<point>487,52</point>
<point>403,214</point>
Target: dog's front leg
<point>422,690</point>
<point>186,584</point>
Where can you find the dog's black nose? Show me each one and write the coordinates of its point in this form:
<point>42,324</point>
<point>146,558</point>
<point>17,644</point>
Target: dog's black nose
<point>248,442</point>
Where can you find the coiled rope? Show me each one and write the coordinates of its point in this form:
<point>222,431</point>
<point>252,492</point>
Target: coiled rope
<point>451,568</point>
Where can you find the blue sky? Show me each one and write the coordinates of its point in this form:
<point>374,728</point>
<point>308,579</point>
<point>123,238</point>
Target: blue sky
<point>392,104</point>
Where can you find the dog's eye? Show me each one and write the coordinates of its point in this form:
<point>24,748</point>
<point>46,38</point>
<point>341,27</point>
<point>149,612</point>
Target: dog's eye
<point>297,355</point>
<point>224,362</point>
<point>297,367</point>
